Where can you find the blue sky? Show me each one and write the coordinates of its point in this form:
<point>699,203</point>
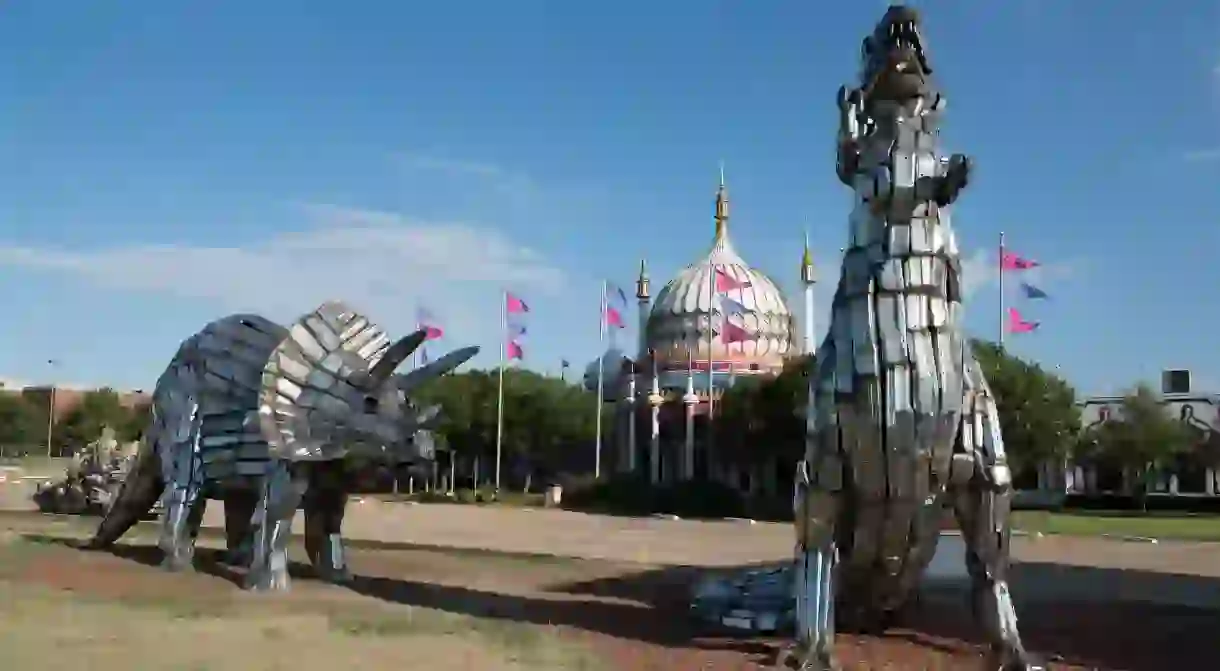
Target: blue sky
<point>165,163</point>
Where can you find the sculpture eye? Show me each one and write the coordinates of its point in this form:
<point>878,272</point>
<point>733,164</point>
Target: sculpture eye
<point>370,405</point>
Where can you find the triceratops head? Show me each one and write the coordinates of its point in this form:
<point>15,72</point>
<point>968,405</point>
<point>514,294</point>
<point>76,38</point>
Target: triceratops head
<point>893,63</point>
<point>329,390</point>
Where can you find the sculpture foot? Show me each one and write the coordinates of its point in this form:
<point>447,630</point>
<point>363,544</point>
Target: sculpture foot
<point>795,659</point>
<point>335,576</point>
<point>1018,660</point>
<point>175,563</point>
<point>267,581</point>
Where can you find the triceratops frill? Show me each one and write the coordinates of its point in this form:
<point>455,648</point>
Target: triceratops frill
<point>263,418</point>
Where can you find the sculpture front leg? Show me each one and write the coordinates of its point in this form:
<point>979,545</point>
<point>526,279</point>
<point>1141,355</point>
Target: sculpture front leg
<point>282,489</point>
<point>817,511</point>
<point>239,504</point>
<point>184,507</point>
<point>325,504</point>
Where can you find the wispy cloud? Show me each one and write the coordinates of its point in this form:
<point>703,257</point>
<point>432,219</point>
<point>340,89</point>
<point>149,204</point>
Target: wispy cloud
<point>1202,155</point>
<point>497,176</point>
<point>383,262</point>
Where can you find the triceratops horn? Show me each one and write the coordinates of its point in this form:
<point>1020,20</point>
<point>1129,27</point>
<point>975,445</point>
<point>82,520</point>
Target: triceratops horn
<point>424,374</point>
<point>395,355</point>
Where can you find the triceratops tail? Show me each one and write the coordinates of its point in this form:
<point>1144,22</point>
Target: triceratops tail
<point>140,491</point>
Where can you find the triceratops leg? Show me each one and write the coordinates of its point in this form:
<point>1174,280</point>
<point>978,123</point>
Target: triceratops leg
<point>324,504</point>
<point>271,525</point>
<point>239,505</point>
<point>183,476</point>
<point>817,511</point>
<point>982,506</point>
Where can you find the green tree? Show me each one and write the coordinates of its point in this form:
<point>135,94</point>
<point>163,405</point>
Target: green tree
<point>546,420</point>
<point>1038,414</point>
<point>757,420</point>
<point>20,422</point>
<point>1143,438</point>
<point>136,423</point>
<point>97,409</point>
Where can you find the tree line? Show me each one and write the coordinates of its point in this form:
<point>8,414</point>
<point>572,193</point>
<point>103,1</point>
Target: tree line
<point>549,424</point>
<point>23,422</point>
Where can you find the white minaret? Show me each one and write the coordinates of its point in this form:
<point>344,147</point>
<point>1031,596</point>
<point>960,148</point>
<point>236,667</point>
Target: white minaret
<point>629,402</point>
<point>690,399</point>
<point>645,301</point>
<point>809,343</point>
<point>655,400</point>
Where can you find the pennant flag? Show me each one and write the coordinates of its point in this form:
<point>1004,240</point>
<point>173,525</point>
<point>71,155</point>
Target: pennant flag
<point>516,331</point>
<point>731,333</point>
<point>1018,324</point>
<point>1033,292</point>
<point>732,308</point>
<point>725,282</point>
<point>515,305</point>
<point>1010,261</point>
<point>564,363</point>
<point>614,318</point>
<point>616,293</point>
<point>514,351</point>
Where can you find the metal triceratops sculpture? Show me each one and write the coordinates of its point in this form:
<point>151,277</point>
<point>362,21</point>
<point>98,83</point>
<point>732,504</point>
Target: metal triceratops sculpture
<point>263,417</point>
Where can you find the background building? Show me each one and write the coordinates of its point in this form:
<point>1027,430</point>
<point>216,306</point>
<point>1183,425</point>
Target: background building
<point>720,322</point>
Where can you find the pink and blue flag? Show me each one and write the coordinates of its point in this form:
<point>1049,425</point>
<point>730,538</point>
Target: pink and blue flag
<point>1033,292</point>
<point>426,321</point>
<point>514,305</point>
<point>616,294</point>
<point>731,333</point>
<point>725,282</point>
<point>513,350</point>
<point>1010,261</point>
<point>1018,324</point>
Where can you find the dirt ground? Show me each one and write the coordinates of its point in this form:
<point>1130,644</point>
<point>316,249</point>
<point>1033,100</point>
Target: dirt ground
<point>472,588</point>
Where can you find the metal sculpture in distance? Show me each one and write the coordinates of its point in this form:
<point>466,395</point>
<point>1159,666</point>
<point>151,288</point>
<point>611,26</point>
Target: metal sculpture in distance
<point>91,480</point>
<point>901,420</point>
<point>264,418</point>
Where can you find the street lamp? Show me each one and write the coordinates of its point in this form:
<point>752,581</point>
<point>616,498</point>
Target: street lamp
<point>52,363</point>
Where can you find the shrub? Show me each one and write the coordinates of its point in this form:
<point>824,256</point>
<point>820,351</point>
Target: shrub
<point>633,495</point>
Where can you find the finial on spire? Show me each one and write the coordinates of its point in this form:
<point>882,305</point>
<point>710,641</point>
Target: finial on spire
<point>641,283</point>
<point>722,207</point>
<point>808,273</point>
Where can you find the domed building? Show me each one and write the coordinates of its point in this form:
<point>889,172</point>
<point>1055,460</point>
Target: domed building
<point>718,323</point>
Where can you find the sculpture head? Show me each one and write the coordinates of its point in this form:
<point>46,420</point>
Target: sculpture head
<point>894,66</point>
<point>330,390</point>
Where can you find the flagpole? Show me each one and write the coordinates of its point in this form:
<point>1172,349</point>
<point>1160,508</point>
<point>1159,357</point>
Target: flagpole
<point>601,370</point>
<point>1001,263</point>
<point>500,393</point>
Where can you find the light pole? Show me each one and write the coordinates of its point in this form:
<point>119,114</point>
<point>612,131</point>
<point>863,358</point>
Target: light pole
<point>51,407</point>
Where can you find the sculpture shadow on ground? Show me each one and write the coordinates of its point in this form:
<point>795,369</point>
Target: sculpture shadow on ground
<point>1086,616</point>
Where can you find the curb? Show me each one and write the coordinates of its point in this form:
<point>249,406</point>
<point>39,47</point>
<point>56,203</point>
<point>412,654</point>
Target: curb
<point>1131,539</point>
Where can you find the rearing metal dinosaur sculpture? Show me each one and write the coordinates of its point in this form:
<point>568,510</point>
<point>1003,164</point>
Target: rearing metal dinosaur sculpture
<point>901,420</point>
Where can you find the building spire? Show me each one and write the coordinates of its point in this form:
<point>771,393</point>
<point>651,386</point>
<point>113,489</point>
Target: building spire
<point>808,273</point>
<point>722,207</point>
<point>641,283</point>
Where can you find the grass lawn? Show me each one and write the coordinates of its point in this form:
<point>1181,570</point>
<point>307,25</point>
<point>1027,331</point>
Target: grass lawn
<point>59,606</point>
<point>1163,526</point>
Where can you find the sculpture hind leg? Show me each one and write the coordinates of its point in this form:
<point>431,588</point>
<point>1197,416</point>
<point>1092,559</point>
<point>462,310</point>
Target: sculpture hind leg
<point>982,505</point>
<point>325,503</point>
<point>280,494</point>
